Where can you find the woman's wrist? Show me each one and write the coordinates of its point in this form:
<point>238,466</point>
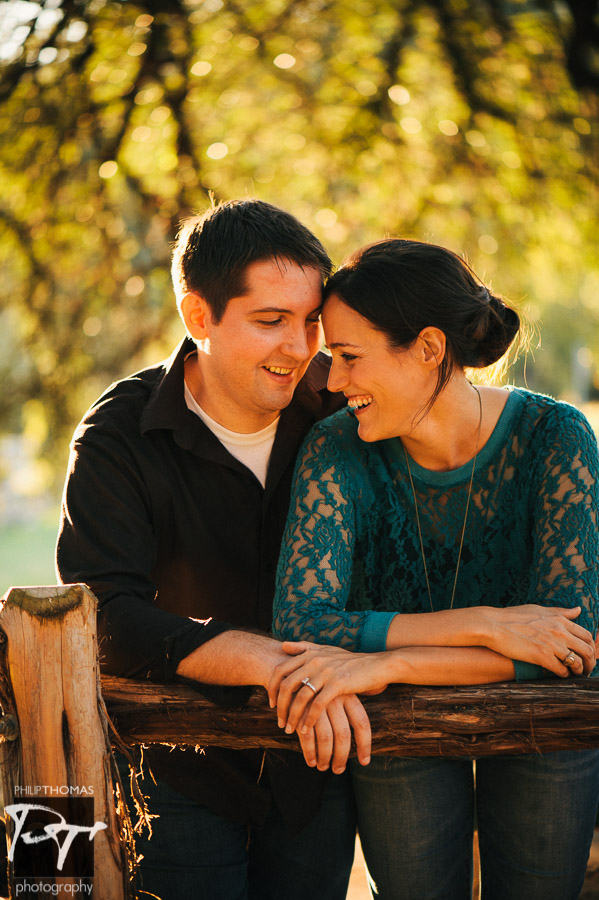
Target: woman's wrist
<point>395,667</point>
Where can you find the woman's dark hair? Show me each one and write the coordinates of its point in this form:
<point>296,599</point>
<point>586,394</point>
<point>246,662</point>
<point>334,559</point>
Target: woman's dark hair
<point>402,286</point>
<point>213,251</point>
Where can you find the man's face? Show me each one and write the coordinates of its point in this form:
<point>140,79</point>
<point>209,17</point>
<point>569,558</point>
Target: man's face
<point>250,362</point>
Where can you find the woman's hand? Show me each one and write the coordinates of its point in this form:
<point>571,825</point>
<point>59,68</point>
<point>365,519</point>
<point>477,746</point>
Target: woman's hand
<point>332,672</point>
<point>542,635</point>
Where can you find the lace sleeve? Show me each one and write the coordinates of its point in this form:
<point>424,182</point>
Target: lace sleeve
<point>565,509</point>
<point>315,565</point>
<point>566,517</point>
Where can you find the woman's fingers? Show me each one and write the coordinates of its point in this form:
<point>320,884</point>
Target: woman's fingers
<point>580,633</point>
<point>569,612</point>
<point>293,648</point>
<point>281,672</point>
<point>301,699</point>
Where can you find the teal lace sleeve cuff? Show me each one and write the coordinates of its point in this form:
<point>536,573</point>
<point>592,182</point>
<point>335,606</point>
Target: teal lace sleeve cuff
<point>373,636</point>
<point>529,672</point>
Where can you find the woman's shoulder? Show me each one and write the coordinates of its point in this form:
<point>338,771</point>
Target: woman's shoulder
<point>544,407</point>
<point>553,423</point>
<point>335,441</point>
<point>340,429</point>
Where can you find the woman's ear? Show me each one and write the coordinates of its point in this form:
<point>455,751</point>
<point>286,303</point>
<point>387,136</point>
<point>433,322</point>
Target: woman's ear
<point>432,346</point>
<point>196,313</point>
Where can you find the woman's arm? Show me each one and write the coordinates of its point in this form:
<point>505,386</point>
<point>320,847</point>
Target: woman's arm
<point>538,634</point>
<point>317,554</point>
<point>314,579</point>
<point>563,488</point>
<point>334,672</point>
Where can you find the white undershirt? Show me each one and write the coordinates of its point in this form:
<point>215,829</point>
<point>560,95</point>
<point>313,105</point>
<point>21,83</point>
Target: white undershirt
<point>253,450</point>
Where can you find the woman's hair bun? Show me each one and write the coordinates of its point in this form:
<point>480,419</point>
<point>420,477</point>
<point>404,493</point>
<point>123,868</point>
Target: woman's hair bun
<point>497,328</point>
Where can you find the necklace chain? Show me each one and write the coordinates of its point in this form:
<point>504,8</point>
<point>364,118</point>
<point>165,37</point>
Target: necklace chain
<point>457,568</point>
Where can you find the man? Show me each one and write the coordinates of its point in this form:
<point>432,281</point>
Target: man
<point>173,512</point>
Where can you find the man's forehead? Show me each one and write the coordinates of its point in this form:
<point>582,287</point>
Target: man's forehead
<point>274,286</point>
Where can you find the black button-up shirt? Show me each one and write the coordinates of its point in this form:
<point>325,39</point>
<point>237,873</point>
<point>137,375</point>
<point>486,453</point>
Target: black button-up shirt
<point>165,526</point>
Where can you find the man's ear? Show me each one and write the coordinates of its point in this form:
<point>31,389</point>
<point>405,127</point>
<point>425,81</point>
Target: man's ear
<point>196,315</point>
<point>432,345</point>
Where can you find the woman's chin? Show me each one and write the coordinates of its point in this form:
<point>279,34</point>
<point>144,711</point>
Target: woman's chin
<point>367,434</point>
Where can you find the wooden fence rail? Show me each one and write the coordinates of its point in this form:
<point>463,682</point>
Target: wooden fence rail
<point>59,719</point>
<point>406,721</point>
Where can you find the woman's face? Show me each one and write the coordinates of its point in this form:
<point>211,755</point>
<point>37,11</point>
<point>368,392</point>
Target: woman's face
<point>387,388</point>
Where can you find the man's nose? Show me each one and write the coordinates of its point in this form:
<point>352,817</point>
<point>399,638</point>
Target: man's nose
<point>296,343</point>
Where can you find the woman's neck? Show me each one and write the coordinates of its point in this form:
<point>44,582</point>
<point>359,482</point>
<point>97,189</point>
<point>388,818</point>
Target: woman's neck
<point>457,426</point>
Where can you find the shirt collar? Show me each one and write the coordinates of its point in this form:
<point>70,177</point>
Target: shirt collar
<point>166,407</point>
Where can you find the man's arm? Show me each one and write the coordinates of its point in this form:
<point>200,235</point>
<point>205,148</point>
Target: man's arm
<point>107,540</point>
<point>233,658</point>
<point>245,658</point>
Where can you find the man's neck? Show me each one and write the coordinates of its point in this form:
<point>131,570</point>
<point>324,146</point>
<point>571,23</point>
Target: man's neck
<point>220,408</point>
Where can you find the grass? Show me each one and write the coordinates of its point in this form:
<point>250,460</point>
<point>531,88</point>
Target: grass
<point>27,554</point>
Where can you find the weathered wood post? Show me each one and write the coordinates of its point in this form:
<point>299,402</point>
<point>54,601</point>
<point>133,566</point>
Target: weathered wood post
<point>55,746</point>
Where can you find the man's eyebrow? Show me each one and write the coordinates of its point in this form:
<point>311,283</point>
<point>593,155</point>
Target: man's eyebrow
<point>283,309</point>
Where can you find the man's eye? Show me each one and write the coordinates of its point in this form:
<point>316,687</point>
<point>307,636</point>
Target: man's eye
<point>269,321</point>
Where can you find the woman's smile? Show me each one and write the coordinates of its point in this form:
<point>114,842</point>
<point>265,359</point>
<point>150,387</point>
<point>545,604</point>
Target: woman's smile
<point>384,386</point>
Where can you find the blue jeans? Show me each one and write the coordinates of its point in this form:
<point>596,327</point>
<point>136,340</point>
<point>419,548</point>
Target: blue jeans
<point>535,817</point>
<point>195,854</point>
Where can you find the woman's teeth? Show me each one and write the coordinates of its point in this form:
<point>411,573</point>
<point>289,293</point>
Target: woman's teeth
<point>357,402</point>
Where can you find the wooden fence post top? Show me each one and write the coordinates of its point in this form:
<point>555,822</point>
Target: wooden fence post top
<point>50,684</point>
<point>49,601</point>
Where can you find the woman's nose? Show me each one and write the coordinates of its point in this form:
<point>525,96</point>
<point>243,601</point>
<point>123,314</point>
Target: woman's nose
<point>337,379</point>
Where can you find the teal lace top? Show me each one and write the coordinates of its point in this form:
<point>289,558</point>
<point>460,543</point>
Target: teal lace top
<point>351,557</point>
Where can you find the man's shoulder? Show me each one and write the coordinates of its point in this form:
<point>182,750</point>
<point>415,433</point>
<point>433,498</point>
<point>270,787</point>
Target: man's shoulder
<point>312,391</point>
<point>318,370</point>
<point>123,402</point>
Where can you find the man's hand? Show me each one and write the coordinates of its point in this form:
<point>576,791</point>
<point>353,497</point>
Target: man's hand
<point>332,671</point>
<point>244,658</point>
<point>331,735</point>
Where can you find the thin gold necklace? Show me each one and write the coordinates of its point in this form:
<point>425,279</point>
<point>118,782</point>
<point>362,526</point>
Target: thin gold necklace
<point>457,568</point>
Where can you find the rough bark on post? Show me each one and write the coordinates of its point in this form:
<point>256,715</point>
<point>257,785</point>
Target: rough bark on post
<point>59,752</point>
<point>474,721</point>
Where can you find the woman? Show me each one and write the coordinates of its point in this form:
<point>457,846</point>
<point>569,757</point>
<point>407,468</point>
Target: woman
<point>428,519</point>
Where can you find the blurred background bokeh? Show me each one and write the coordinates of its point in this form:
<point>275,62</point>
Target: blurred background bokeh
<point>470,124</point>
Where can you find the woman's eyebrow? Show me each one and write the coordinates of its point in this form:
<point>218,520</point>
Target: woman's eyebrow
<point>336,344</point>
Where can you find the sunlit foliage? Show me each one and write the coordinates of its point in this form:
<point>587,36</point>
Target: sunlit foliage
<point>472,124</point>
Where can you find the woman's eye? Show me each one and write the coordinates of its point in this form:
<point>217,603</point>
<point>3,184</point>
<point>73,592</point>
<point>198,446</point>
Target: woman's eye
<point>348,357</point>
<point>269,321</point>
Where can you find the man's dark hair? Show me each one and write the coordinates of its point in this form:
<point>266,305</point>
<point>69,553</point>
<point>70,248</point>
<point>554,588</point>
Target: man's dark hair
<point>213,251</point>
